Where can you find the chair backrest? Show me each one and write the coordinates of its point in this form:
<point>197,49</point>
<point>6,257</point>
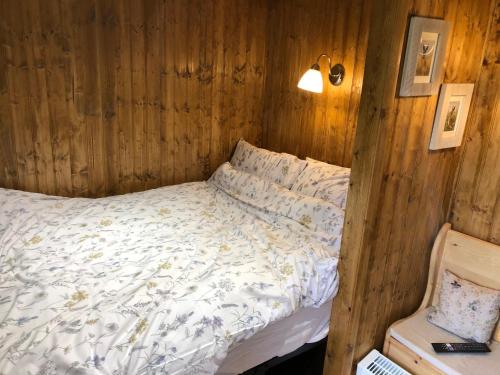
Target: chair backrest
<point>468,257</point>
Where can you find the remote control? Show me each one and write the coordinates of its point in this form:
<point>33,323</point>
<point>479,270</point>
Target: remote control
<point>460,347</point>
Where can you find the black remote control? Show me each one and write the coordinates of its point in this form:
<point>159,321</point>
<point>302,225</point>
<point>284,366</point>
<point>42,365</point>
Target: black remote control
<point>460,347</point>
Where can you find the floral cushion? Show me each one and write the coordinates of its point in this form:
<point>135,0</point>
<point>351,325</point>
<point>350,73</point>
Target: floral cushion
<point>466,309</point>
<point>281,168</point>
<point>315,214</point>
<point>325,181</point>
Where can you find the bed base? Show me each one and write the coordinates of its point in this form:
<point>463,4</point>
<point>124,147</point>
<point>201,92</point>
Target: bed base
<point>315,349</point>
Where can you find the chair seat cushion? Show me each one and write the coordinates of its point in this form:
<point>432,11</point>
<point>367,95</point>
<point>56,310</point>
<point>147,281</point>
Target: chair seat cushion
<point>417,334</point>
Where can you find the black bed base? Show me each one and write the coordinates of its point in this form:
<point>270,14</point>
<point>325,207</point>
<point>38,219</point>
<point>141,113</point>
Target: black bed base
<point>306,360</point>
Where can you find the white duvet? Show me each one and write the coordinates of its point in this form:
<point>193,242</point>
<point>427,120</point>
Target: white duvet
<point>160,282</point>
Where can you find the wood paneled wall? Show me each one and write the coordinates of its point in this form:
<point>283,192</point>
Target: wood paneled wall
<point>400,191</point>
<point>99,97</point>
<point>321,126</point>
<point>103,97</point>
<point>476,201</point>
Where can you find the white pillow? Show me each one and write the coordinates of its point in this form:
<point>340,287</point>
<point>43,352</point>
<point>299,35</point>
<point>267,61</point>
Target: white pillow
<point>277,167</point>
<point>466,309</point>
<point>325,181</point>
<point>315,214</point>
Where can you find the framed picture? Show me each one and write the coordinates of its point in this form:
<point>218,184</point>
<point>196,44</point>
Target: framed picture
<point>451,115</point>
<point>424,56</point>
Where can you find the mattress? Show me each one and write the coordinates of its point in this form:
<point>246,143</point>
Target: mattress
<point>308,325</point>
<point>166,281</point>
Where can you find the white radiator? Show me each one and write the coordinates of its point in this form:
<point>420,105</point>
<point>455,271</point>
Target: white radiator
<point>377,364</point>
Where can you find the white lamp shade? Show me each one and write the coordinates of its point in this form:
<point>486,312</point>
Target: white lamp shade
<point>311,81</point>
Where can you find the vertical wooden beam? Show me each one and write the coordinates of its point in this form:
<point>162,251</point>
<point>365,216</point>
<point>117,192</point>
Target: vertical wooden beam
<point>387,25</point>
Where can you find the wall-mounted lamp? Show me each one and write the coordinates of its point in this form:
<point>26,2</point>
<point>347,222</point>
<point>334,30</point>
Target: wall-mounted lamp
<point>313,81</point>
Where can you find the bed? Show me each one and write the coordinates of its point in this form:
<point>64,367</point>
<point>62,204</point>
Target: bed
<point>166,281</point>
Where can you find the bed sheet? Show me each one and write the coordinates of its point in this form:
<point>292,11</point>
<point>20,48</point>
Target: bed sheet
<point>165,281</point>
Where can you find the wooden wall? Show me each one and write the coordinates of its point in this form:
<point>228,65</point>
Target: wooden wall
<point>476,201</point>
<point>321,126</point>
<point>400,191</point>
<point>102,97</point>
<point>99,97</point>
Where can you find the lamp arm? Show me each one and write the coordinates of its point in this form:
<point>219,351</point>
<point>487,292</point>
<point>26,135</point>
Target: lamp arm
<point>327,56</point>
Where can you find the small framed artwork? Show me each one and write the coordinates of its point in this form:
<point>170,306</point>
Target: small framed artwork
<point>424,57</point>
<point>451,115</point>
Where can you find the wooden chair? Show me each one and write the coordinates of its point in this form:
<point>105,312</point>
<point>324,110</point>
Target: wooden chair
<point>408,341</point>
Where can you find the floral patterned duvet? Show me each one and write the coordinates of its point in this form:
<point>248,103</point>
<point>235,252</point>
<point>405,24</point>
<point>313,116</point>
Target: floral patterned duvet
<point>160,282</point>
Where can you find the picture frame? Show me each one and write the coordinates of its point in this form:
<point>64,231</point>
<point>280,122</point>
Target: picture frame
<point>451,115</point>
<point>423,67</point>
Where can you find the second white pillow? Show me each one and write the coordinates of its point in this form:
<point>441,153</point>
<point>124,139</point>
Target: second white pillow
<point>325,181</point>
